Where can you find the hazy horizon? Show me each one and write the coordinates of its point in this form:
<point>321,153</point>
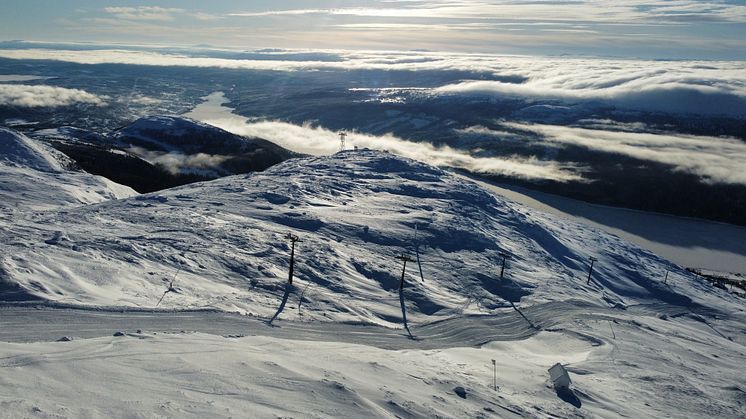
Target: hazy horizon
<point>707,30</point>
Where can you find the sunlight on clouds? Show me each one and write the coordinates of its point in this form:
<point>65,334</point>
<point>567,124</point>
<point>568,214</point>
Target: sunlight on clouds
<point>320,141</point>
<point>596,11</point>
<point>700,87</point>
<point>26,96</point>
<point>715,160</point>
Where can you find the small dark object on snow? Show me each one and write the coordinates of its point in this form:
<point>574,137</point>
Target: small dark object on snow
<point>118,334</point>
<point>404,258</point>
<point>460,391</point>
<point>139,331</point>
<point>559,376</point>
<point>293,239</point>
<point>65,339</point>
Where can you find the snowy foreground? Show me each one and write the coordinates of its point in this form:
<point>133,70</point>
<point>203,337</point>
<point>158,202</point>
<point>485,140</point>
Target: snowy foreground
<point>75,264</point>
<point>634,364</point>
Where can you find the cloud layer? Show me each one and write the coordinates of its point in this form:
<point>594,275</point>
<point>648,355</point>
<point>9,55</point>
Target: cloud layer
<point>26,96</point>
<point>631,28</point>
<point>321,141</point>
<point>715,160</point>
<point>701,87</point>
<point>581,11</point>
<point>200,163</point>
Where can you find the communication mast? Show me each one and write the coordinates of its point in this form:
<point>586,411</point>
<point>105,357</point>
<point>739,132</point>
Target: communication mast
<point>342,137</point>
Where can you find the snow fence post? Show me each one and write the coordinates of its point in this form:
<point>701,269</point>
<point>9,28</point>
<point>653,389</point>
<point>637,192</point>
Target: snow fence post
<point>494,375</point>
<point>505,257</point>
<point>405,259</point>
<point>590,270</point>
<point>293,239</point>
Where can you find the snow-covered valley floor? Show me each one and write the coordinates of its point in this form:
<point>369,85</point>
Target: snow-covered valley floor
<point>176,304</point>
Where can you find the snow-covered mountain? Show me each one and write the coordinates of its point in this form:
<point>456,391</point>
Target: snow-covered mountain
<point>183,145</point>
<point>161,152</point>
<point>477,345</point>
<point>222,243</point>
<point>33,176</point>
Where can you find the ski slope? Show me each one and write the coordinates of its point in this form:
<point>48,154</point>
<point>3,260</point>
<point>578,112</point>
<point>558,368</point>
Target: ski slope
<point>647,361</point>
<point>222,244</point>
<point>231,338</point>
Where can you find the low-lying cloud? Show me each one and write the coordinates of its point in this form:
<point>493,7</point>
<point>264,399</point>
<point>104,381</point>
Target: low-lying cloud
<point>321,141</point>
<point>177,163</point>
<point>27,96</point>
<point>677,87</point>
<point>699,87</point>
<point>715,160</point>
<point>644,95</point>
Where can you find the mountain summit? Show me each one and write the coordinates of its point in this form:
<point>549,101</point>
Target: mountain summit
<point>223,244</point>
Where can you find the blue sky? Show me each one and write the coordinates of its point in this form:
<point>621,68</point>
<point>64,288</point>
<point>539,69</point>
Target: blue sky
<point>638,28</point>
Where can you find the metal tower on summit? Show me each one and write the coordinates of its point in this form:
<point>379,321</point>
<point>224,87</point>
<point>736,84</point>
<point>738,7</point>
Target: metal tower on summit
<point>342,137</point>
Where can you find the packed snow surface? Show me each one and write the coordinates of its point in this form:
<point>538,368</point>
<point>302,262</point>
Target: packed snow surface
<point>650,361</point>
<point>223,245</point>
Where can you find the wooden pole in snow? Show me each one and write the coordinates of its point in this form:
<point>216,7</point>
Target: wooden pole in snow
<point>494,375</point>
<point>293,239</point>
<point>405,259</point>
<point>590,270</point>
<point>505,257</point>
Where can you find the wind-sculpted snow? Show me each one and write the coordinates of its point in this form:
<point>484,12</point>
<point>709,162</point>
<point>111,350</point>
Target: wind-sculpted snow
<point>35,177</point>
<point>221,245</point>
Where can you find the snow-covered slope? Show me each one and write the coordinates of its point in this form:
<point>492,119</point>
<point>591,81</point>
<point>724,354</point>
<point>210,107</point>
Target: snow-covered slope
<point>33,176</point>
<point>183,145</point>
<point>187,136</point>
<point>17,150</point>
<point>223,242</point>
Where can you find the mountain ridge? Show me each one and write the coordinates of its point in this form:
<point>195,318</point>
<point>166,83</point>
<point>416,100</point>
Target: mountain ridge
<point>221,245</point>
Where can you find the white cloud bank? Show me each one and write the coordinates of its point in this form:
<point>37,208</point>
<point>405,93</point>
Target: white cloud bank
<point>701,87</point>
<point>320,141</point>
<point>715,160</point>
<point>27,96</point>
<point>200,163</point>
<point>707,88</point>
